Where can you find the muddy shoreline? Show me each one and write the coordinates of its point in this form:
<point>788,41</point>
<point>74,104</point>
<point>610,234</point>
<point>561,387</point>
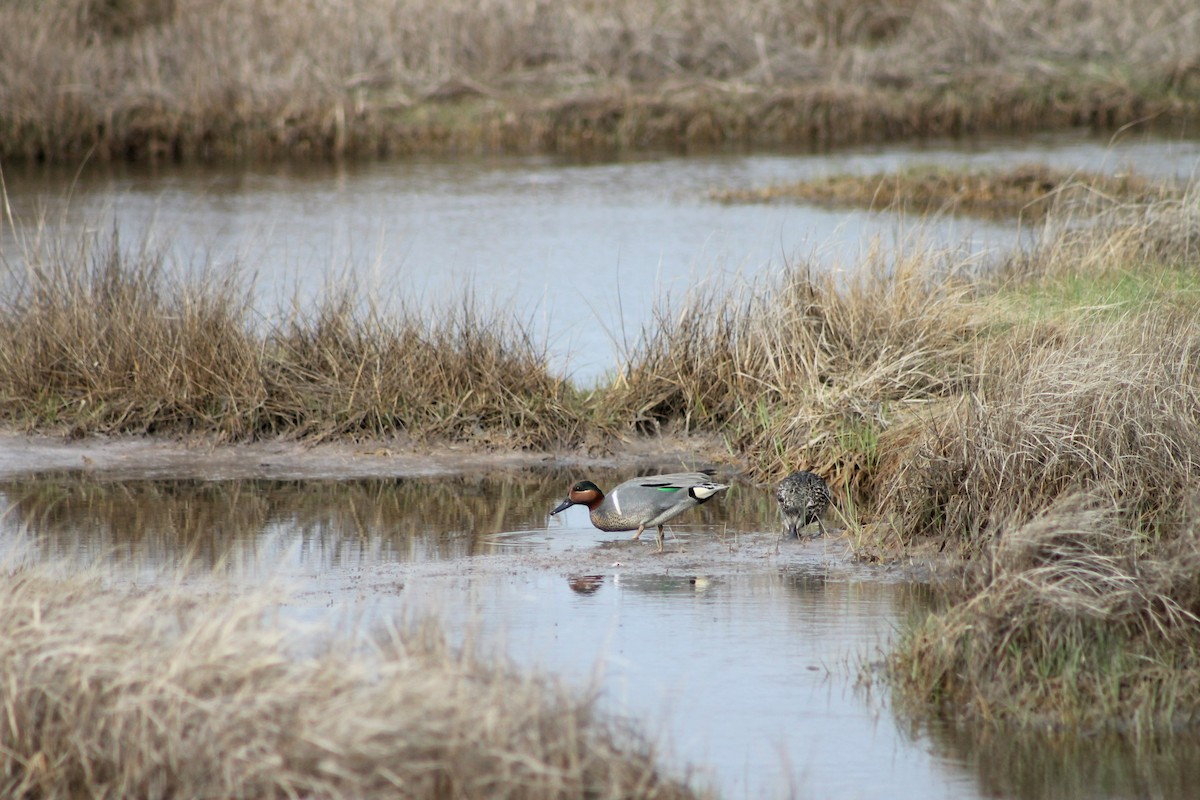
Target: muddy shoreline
<point>131,457</point>
<point>698,557</point>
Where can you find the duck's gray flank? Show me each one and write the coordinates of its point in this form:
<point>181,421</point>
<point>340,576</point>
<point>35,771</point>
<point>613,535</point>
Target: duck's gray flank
<point>645,502</point>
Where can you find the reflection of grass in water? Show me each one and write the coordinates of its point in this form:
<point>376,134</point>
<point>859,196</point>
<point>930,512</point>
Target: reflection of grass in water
<point>1053,766</point>
<point>207,523</point>
<point>340,520</point>
<point>179,694</point>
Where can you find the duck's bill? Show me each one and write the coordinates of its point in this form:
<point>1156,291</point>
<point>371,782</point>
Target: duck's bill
<point>563,506</point>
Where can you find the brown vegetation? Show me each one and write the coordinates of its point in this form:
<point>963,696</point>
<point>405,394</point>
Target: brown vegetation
<point>1040,419</point>
<point>813,368</point>
<point>176,694</point>
<point>1070,476</point>
<point>118,346</point>
<point>1029,192</point>
<point>1083,617</point>
<point>154,79</point>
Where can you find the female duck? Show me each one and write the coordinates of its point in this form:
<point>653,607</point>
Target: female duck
<point>803,497</point>
<point>643,502</point>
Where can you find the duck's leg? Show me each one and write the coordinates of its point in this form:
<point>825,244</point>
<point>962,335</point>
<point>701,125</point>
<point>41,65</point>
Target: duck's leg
<point>660,538</point>
<point>641,528</point>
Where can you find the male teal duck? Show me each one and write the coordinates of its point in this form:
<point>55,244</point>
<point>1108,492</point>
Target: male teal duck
<point>643,502</point>
<point>803,498</point>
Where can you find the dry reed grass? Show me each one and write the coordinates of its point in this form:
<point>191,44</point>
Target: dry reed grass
<point>1113,407</point>
<point>811,371</point>
<point>174,694</point>
<point>1068,477</point>
<point>97,338</point>
<point>1074,391</point>
<point>466,374</point>
<point>1085,617</point>
<point>148,79</point>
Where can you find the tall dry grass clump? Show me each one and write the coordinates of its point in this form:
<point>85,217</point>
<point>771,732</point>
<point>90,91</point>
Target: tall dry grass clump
<point>1081,618</point>
<point>155,79</point>
<point>176,694</point>
<point>95,337</point>
<point>98,338</point>
<point>458,373</point>
<point>1114,408</point>
<point>813,369</point>
<point>1071,479</point>
<point>1097,392</point>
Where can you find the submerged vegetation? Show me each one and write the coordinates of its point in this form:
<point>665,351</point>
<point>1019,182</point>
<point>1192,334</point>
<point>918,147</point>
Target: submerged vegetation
<point>1027,192</point>
<point>160,79</point>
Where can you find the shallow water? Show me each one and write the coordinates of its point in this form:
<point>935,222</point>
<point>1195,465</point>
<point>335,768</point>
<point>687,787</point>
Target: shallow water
<point>746,659</point>
<point>583,252</point>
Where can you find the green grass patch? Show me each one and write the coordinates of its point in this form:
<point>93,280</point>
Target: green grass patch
<point>1106,296</point>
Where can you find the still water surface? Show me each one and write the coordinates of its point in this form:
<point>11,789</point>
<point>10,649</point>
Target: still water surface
<point>583,253</point>
<point>746,661</point>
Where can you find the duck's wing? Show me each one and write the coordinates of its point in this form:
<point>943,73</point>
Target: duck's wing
<point>670,494</point>
<point>675,480</point>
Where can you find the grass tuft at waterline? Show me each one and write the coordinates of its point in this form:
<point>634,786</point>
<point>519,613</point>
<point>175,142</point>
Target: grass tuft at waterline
<point>1082,618</point>
<point>97,338</point>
